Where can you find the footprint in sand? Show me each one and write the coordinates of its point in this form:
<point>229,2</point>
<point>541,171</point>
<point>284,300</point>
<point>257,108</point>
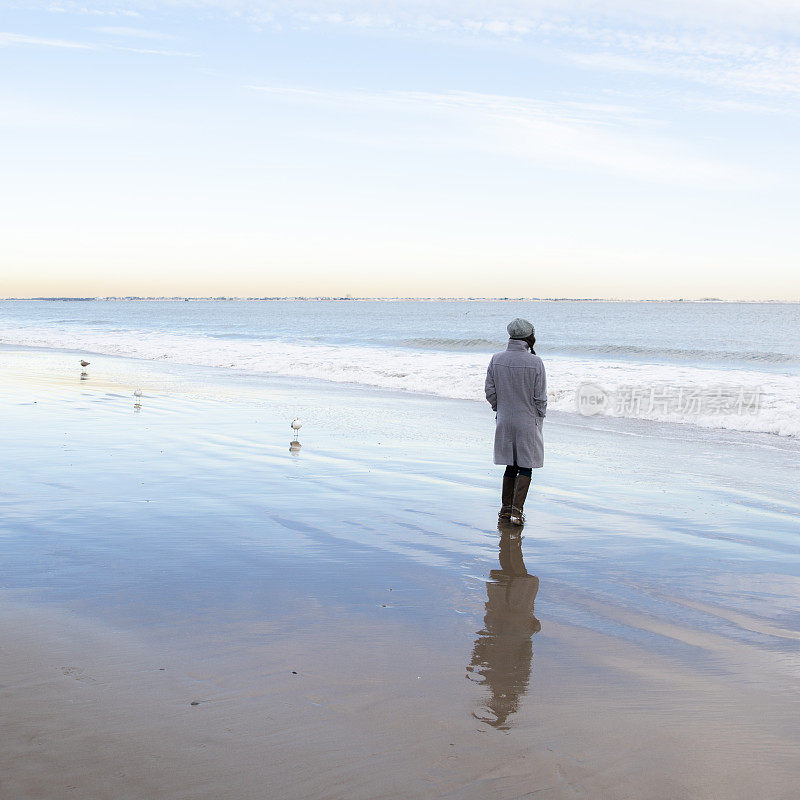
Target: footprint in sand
<point>77,673</point>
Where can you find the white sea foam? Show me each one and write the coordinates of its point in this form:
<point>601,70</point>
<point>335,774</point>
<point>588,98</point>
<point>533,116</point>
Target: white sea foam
<point>447,374</point>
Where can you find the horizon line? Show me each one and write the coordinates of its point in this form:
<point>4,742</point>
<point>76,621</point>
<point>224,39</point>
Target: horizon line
<point>398,298</point>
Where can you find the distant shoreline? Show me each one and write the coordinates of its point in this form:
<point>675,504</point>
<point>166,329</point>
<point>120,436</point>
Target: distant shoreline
<point>393,299</point>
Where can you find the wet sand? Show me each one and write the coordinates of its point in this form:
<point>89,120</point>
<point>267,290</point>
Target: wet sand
<point>348,620</point>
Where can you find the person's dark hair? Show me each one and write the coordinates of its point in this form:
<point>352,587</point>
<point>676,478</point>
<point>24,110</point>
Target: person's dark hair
<point>530,341</point>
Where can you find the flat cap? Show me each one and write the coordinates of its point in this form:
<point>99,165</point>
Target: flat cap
<point>520,329</point>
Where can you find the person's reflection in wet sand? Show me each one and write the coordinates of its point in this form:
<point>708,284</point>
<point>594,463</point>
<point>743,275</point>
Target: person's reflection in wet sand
<point>501,657</point>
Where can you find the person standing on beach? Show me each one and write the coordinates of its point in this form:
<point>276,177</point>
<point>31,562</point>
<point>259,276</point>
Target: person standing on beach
<point>516,388</point>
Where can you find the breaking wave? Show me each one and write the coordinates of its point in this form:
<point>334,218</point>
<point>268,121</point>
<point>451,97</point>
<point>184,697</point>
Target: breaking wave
<point>458,374</point>
<point>622,351</point>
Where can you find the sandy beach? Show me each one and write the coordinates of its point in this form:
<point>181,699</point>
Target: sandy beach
<point>190,610</point>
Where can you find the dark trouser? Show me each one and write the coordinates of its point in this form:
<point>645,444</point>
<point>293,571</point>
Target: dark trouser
<point>512,470</point>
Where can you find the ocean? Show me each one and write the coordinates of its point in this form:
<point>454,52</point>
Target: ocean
<point>732,366</point>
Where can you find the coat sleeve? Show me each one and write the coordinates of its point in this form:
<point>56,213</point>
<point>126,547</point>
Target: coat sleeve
<point>540,392</point>
<point>491,391</point>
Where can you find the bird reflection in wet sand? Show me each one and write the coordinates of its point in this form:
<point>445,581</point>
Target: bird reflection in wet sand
<point>294,445</point>
<point>503,651</point>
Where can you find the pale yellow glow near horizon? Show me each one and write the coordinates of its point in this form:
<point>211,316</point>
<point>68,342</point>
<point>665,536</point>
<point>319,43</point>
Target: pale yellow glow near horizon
<point>305,245</point>
<point>256,264</point>
<point>397,274</point>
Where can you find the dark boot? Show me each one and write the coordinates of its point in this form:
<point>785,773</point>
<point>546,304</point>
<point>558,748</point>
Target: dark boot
<point>520,493</point>
<point>508,497</point>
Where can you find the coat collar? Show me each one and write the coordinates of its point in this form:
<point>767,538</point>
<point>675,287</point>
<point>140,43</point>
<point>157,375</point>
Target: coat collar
<point>517,344</point>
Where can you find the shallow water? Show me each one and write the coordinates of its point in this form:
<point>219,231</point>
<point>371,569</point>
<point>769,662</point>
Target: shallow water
<point>659,614</point>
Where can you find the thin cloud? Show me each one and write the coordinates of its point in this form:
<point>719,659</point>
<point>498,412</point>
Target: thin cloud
<point>136,33</point>
<point>157,52</point>
<point>84,10</point>
<point>497,17</point>
<point>734,45</point>
<point>733,58</point>
<point>730,65</point>
<point>19,39</point>
<point>10,39</point>
<point>567,136</point>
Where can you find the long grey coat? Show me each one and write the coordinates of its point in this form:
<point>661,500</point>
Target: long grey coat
<point>516,388</point>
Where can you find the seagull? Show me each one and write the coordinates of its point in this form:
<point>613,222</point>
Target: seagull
<point>84,363</point>
<point>137,393</point>
<point>296,424</point>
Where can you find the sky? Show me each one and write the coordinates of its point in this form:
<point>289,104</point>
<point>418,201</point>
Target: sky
<point>455,149</point>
